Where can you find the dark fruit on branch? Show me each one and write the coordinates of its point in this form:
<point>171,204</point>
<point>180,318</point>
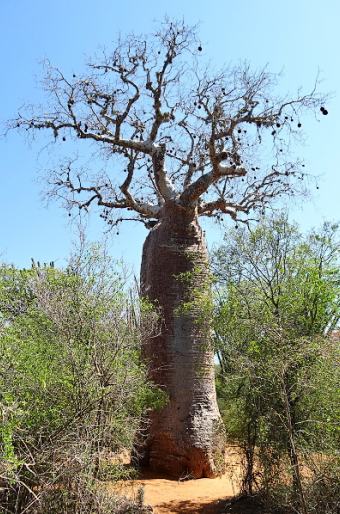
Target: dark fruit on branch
<point>324,111</point>
<point>199,48</point>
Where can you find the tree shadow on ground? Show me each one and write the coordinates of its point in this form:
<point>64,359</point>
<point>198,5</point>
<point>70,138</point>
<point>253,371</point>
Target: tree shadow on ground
<point>224,506</point>
<point>193,507</point>
<point>243,505</point>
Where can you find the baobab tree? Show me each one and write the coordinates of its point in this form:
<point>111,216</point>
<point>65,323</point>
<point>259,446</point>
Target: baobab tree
<point>185,142</point>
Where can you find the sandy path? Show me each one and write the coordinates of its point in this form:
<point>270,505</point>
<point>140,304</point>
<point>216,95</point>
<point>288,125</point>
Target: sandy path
<point>193,496</point>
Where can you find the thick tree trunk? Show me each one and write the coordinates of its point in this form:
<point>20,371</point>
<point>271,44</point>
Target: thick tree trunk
<point>186,437</point>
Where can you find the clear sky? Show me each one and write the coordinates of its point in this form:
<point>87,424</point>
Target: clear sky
<point>297,37</point>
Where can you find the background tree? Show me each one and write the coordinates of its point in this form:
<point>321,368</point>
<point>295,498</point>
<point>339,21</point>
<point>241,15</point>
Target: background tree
<point>278,379</point>
<point>184,141</point>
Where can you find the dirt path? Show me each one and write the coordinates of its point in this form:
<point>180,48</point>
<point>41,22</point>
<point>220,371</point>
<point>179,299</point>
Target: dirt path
<point>192,496</point>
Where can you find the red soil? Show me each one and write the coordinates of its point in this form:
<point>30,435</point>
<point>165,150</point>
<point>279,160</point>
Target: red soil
<point>168,496</point>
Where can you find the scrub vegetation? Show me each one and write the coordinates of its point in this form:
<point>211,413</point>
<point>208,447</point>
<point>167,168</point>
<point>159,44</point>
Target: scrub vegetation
<point>75,392</point>
<point>73,389</point>
<point>278,349</point>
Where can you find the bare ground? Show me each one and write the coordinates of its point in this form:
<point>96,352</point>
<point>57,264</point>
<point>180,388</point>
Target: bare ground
<point>206,495</point>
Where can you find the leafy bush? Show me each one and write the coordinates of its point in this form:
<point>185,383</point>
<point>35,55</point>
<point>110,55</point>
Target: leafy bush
<point>277,384</point>
<point>73,387</point>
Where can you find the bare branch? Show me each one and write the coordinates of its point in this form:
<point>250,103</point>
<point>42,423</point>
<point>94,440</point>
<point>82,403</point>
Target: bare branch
<point>197,141</point>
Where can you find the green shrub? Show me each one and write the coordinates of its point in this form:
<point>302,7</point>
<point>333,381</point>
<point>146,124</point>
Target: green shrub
<point>278,375</point>
<point>73,389</point>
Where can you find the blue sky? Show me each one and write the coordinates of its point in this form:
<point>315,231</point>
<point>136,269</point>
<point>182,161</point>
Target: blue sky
<point>298,37</point>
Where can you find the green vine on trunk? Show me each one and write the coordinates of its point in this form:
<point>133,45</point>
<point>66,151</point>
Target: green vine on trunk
<point>197,302</point>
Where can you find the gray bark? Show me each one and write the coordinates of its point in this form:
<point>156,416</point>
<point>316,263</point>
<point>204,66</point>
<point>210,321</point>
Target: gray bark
<point>186,437</point>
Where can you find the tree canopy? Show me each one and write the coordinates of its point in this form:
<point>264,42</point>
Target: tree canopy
<point>216,140</point>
